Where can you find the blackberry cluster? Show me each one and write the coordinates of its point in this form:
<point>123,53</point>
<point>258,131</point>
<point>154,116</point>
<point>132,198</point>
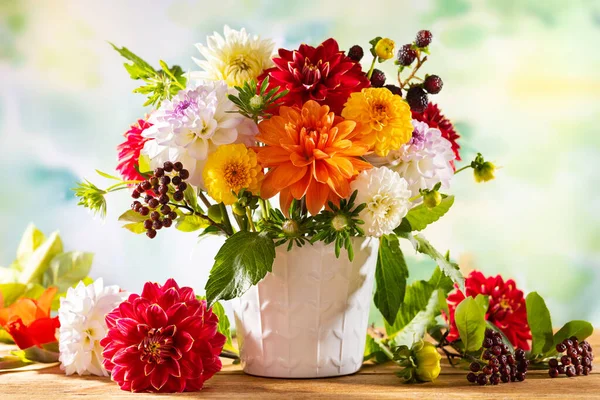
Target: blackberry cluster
<point>576,359</point>
<point>502,365</point>
<point>154,194</point>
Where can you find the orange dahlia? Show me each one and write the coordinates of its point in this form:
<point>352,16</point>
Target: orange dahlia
<point>310,152</point>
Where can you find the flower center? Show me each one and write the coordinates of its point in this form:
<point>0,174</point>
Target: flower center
<point>156,346</point>
<point>379,113</point>
<point>240,63</point>
<point>311,73</point>
<point>182,106</point>
<point>236,175</point>
<point>380,206</point>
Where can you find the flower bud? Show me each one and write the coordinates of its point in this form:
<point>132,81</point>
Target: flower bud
<point>256,102</point>
<point>238,209</point>
<point>339,222</point>
<point>290,228</point>
<point>214,213</point>
<point>432,198</point>
<point>427,360</point>
<point>385,48</point>
<point>484,172</point>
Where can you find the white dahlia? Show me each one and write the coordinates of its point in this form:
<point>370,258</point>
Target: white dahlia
<point>82,326</point>
<point>192,125</point>
<point>235,58</point>
<point>387,198</point>
<point>424,161</point>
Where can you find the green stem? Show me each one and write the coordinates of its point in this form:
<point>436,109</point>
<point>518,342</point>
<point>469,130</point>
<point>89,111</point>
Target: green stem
<point>204,217</point>
<point>263,208</point>
<point>250,221</point>
<point>372,67</point>
<point>414,198</point>
<point>122,183</point>
<point>226,219</point>
<point>462,169</point>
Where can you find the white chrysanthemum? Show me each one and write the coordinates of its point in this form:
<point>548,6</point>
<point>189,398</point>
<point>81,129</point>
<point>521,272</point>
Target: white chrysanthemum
<point>235,58</point>
<point>192,125</point>
<point>424,161</point>
<point>82,326</point>
<point>387,198</point>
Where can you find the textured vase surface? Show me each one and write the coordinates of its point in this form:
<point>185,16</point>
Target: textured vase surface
<point>308,318</point>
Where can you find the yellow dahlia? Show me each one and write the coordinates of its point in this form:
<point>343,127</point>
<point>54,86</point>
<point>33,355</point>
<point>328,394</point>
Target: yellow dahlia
<point>231,168</point>
<point>235,58</point>
<point>383,120</point>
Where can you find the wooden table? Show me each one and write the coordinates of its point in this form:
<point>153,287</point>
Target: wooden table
<point>372,382</point>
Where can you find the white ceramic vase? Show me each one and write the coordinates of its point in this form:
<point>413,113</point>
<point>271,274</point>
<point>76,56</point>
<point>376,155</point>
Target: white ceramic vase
<point>309,317</point>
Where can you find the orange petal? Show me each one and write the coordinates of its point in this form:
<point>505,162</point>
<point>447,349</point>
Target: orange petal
<point>280,177</point>
<point>300,161</point>
<point>343,165</point>
<point>316,196</point>
<point>338,183</point>
<point>320,170</point>
<point>45,301</point>
<point>25,309</point>
<point>299,188</point>
<point>285,201</point>
<point>345,128</point>
<point>320,154</point>
<point>271,156</point>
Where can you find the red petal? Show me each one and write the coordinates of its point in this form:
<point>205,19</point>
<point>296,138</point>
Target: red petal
<point>156,317</point>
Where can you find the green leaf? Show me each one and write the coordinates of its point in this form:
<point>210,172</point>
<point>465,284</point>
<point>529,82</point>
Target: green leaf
<point>424,247</point>
<point>224,326</point>
<point>5,337</point>
<point>420,216</point>
<point>10,361</point>
<point>107,176</point>
<point>483,302</point>
<point>416,329</point>
<point>191,198</point>
<point>32,239</point>
<point>540,323</point>
<point>374,351</point>
<point>242,261</point>
<point>39,261</point>
<point>144,164</point>
<point>132,216</point>
<point>48,354</point>
<point>135,227</point>
<point>68,269</point>
<point>390,274</point>
<point>139,69</point>
<point>581,329</point>
<point>191,223</point>
<point>470,321</point>
<point>10,292</point>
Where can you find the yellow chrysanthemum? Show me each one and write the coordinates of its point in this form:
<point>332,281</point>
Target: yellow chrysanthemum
<point>231,168</point>
<point>234,58</point>
<point>383,120</point>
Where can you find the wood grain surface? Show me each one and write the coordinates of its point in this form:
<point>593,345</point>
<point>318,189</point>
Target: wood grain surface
<point>372,382</point>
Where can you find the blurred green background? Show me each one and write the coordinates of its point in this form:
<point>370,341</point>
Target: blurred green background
<point>521,83</point>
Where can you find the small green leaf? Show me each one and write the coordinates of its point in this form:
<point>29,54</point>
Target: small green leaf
<point>39,261</point>
<point>191,223</point>
<point>68,269</point>
<point>540,323</point>
<point>10,292</point>
<point>107,176</point>
<point>580,329</point>
<point>144,164</point>
<point>421,216</point>
<point>470,321</point>
<point>191,198</point>
<point>390,274</point>
<point>424,247</point>
<point>242,261</point>
<point>30,241</point>
<point>224,326</point>
<point>139,68</point>
<point>132,216</point>
<point>135,227</point>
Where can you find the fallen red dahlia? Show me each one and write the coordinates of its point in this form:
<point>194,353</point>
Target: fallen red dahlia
<point>323,74</point>
<point>129,150</point>
<point>164,340</point>
<point>507,308</point>
<point>435,119</point>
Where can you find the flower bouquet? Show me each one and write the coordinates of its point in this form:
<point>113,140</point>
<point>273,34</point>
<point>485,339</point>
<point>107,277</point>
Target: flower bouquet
<point>359,164</point>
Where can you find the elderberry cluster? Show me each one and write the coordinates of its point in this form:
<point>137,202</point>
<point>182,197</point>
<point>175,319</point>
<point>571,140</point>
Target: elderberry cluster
<point>154,194</point>
<point>502,365</point>
<point>577,360</point>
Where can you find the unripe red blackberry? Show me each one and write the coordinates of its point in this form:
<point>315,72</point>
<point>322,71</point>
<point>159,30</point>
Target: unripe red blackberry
<point>356,53</point>
<point>158,172</point>
<point>157,225</point>
<point>151,233</point>
<point>433,84</point>
<point>163,199</point>
<point>154,215</point>
<point>153,203</point>
<point>394,89</point>
<point>377,78</point>
<point>417,99</point>
<point>135,194</point>
<point>423,38</point>
<point>148,224</point>
<point>167,222</point>
<point>406,55</point>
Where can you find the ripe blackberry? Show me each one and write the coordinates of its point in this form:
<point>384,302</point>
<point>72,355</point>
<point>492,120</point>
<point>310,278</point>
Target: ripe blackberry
<point>553,372</point>
<point>148,224</point>
<point>165,209</point>
<point>163,189</point>
<point>356,53</point>
<point>423,38</point>
<point>519,354</point>
<point>495,379</point>
<point>561,347</point>
<point>377,78</point>
<point>482,380</point>
<point>178,166</point>
<point>135,194</point>
<point>553,363</point>
<point>433,84</point>
<point>178,195</point>
<point>163,199</point>
<point>184,174</point>
<point>167,222</point>
<point>165,180</point>
<point>153,203</point>
<point>406,55</point>
<point>176,180</point>
<point>394,89</point>
<point>158,172</point>
<point>487,343</point>
<point>168,166</point>
<point>151,233</point>
<point>475,367</point>
<point>154,215</point>
<point>471,377</point>
<point>157,225</point>
<point>417,99</point>
<point>182,186</point>
<point>144,211</point>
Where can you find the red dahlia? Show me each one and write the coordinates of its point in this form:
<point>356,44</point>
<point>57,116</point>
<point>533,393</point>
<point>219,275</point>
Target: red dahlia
<point>321,73</point>
<point>507,307</point>
<point>164,340</point>
<point>435,119</point>
<point>129,151</point>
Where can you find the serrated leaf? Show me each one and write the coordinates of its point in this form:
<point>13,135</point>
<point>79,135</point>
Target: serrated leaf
<point>424,247</point>
<point>470,321</point>
<point>140,69</point>
<point>191,223</point>
<point>132,216</point>
<point>32,239</point>
<point>391,273</point>
<point>135,227</point>
<point>421,216</point>
<point>68,269</point>
<point>540,323</point>
<point>39,261</point>
<point>241,262</point>
<point>416,329</point>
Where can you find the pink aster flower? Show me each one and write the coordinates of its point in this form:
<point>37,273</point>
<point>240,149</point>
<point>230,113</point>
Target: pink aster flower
<point>129,150</point>
<point>164,340</point>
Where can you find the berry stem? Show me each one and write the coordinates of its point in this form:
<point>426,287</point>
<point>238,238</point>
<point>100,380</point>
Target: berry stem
<point>462,169</point>
<point>414,71</point>
<point>204,217</point>
<point>204,199</point>
<point>372,67</point>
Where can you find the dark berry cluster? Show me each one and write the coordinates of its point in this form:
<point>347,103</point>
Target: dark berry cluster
<point>502,365</point>
<point>576,359</point>
<point>154,194</point>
